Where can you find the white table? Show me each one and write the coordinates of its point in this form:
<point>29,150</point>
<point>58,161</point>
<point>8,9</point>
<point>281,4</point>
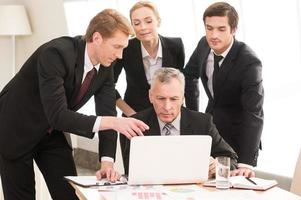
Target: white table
<point>274,193</point>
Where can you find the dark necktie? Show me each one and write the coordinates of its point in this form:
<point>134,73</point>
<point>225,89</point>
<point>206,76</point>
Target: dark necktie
<point>216,69</point>
<point>83,90</point>
<point>167,129</point>
<point>85,86</point>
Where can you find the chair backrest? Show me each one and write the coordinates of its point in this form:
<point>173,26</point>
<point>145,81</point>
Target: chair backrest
<point>296,182</point>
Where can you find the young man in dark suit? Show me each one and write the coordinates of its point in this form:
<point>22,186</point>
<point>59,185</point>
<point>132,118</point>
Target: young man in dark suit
<point>41,101</point>
<point>168,117</point>
<point>231,75</point>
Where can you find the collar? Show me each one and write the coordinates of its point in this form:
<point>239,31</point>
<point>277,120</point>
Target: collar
<point>88,64</point>
<point>225,53</point>
<point>175,123</point>
<point>145,54</point>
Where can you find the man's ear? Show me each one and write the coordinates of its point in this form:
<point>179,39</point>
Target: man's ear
<point>97,38</point>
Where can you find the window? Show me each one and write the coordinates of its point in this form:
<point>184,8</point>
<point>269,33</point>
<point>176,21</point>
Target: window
<point>274,34</point>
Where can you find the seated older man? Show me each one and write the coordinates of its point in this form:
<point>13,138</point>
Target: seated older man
<point>167,96</point>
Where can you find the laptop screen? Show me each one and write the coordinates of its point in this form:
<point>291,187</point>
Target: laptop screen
<point>169,159</point>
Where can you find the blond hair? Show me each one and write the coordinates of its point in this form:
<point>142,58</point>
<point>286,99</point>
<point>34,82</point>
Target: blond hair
<point>147,4</point>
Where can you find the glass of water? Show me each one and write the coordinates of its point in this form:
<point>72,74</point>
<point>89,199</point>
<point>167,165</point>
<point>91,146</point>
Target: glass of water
<point>222,172</point>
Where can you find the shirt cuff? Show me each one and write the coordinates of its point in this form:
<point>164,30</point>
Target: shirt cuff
<point>96,125</point>
<point>245,165</point>
<point>106,158</point>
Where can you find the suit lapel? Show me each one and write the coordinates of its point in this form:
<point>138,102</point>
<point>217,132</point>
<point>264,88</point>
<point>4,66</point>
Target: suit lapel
<point>95,83</point>
<point>225,68</point>
<point>79,68</point>
<point>204,56</point>
<point>154,125</point>
<point>166,56</point>
<point>185,124</point>
<point>138,66</point>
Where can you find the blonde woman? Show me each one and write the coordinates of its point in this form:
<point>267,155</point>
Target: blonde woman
<point>146,53</point>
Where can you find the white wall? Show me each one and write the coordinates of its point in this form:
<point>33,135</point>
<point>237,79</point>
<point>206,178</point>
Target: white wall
<point>47,19</point>
<point>5,53</point>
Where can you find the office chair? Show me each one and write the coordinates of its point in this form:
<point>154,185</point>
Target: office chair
<point>296,182</point>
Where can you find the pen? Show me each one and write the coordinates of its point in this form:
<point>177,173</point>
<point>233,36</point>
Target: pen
<point>250,180</point>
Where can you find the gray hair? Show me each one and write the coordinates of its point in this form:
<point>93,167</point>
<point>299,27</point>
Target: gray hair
<point>165,74</point>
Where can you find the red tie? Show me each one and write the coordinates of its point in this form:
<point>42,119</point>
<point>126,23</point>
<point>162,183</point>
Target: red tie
<point>83,89</point>
<point>85,86</point>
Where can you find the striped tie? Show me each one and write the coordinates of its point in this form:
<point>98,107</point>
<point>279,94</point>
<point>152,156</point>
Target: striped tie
<point>167,129</point>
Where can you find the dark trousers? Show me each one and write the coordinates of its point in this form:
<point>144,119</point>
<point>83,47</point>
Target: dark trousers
<point>124,147</point>
<point>125,158</point>
<point>54,158</point>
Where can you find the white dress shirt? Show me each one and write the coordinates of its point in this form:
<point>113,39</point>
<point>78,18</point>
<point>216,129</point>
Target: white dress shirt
<point>87,67</point>
<point>175,130</point>
<point>210,66</point>
<point>151,64</point>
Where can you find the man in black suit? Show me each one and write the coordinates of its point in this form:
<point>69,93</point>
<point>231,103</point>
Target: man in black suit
<point>167,96</point>
<point>41,101</point>
<point>231,76</point>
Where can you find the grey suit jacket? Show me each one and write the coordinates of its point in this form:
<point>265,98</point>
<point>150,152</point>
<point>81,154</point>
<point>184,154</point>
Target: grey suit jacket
<point>191,123</point>
<point>42,95</point>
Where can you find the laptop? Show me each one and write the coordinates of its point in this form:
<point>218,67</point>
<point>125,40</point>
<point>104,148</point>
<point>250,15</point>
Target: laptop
<point>169,159</point>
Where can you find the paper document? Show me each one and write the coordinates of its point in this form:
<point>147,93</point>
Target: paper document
<point>90,181</point>
<point>184,192</point>
<point>242,182</point>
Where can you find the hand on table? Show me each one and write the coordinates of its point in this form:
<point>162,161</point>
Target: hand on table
<point>107,171</point>
<point>212,164</point>
<point>243,171</point>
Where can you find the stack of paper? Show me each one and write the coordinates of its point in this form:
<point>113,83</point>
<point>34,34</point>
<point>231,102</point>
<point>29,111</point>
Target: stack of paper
<point>90,181</point>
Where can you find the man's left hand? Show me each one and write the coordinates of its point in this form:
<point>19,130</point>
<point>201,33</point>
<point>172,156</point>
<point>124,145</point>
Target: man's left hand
<point>107,171</point>
<point>243,171</point>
